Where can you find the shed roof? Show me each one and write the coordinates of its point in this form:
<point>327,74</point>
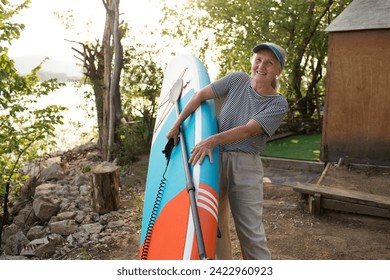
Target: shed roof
<point>361,15</point>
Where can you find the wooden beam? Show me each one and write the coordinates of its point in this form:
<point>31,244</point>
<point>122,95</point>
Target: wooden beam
<point>345,195</point>
<point>323,197</point>
<point>354,208</point>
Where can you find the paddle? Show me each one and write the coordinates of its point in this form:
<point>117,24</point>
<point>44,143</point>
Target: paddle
<point>174,96</point>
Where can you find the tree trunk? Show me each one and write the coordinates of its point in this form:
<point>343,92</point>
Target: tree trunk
<point>105,186</point>
<point>112,101</point>
<point>107,82</point>
<point>115,100</point>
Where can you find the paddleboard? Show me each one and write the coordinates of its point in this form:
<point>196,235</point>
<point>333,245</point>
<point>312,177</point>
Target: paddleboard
<point>167,225</point>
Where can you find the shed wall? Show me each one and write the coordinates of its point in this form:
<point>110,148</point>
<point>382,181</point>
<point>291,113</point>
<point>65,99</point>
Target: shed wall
<point>357,103</point>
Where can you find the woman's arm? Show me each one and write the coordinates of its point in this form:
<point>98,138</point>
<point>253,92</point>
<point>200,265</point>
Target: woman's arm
<point>205,147</point>
<point>200,96</point>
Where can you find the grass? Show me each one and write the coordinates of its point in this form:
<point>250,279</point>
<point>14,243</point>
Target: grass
<point>299,147</point>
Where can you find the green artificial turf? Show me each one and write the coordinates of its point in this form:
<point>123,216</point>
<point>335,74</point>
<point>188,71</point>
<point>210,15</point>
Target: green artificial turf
<point>300,147</point>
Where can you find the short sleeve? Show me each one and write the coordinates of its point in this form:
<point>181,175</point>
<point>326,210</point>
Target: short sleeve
<point>272,116</point>
<point>223,86</point>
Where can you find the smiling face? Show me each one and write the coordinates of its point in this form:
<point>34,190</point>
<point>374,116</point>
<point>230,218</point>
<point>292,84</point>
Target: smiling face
<point>265,67</point>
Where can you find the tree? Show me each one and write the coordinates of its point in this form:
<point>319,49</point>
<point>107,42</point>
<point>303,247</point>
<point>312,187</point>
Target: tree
<point>113,64</point>
<point>103,64</point>
<point>92,58</point>
<point>229,29</point>
<point>25,125</point>
<point>140,85</point>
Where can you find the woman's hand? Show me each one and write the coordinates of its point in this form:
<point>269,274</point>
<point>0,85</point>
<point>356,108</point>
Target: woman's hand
<point>201,150</point>
<point>174,133</point>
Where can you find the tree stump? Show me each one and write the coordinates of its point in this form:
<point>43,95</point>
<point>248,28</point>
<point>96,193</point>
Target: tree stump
<point>105,187</point>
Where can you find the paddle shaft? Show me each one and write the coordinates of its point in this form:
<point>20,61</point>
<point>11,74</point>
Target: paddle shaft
<point>191,192</point>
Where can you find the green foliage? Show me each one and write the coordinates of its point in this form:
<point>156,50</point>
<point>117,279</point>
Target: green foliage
<point>229,29</point>
<point>141,86</point>
<point>86,168</point>
<point>131,144</point>
<point>25,125</point>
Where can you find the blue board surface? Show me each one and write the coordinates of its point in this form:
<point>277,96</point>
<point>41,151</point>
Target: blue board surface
<point>172,233</point>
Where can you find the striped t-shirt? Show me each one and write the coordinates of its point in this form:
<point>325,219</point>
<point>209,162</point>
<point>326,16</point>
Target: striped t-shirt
<point>243,104</point>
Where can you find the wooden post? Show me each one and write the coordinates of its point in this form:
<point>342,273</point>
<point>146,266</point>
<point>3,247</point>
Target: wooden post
<point>105,187</point>
<point>315,204</point>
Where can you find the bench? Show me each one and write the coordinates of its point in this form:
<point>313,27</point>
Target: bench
<point>324,197</point>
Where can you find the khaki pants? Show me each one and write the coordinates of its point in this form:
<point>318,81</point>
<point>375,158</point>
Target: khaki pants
<point>241,187</point>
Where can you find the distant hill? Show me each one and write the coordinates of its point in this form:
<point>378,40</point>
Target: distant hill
<point>62,70</point>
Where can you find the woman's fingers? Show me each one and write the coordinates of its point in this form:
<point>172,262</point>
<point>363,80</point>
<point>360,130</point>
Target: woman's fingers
<point>198,153</point>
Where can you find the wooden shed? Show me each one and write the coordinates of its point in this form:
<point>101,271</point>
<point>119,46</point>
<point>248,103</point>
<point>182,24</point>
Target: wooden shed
<point>357,104</point>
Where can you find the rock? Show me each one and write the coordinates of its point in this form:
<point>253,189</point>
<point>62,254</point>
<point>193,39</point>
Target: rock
<point>24,218</point>
<point>68,215</point>
<point>28,189</point>
<point>52,160</point>
<point>84,203</point>
<point>15,243</point>
<point>45,209</point>
<point>45,190</point>
<point>10,230</point>
<point>81,238</point>
<point>36,232</point>
<point>71,240</point>
<point>80,217</point>
<point>52,173</point>
<point>64,227</point>
<point>43,247</point>
<point>92,228</point>
<point>104,219</point>
<point>62,190</point>
<point>51,212</point>
<point>85,190</point>
<point>81,179</point>
<point>115,224</point>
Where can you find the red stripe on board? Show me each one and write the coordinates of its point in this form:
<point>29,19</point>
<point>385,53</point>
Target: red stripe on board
<point>209,228</point>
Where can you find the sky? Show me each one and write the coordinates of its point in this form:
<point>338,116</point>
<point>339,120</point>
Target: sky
<point>44,34</point>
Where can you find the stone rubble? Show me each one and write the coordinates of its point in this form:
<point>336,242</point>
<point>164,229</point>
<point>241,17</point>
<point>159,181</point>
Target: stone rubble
<point>54,216</point>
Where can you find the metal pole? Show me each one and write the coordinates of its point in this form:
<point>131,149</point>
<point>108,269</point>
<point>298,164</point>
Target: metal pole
<point>191,192</point>
<point>174,97</point>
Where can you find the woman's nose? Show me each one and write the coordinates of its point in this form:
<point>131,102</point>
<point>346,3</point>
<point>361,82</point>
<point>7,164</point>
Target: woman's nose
<point>260,65</point>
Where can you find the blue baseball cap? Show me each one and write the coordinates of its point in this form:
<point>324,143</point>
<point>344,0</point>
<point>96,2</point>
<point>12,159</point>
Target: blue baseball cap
<point>272,48</point>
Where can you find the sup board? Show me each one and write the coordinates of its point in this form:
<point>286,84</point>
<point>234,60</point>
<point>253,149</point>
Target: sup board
<point>167,225</point>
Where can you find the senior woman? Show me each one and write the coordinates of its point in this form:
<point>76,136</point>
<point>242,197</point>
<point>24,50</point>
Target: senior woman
<point>252,110</point>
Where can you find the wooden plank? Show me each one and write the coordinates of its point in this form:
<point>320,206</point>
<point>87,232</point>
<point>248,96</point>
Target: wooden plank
<point>354,208</point>
<point>345,195</point>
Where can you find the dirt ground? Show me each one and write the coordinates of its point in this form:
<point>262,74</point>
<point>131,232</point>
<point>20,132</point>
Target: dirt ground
<point>292,232</point>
